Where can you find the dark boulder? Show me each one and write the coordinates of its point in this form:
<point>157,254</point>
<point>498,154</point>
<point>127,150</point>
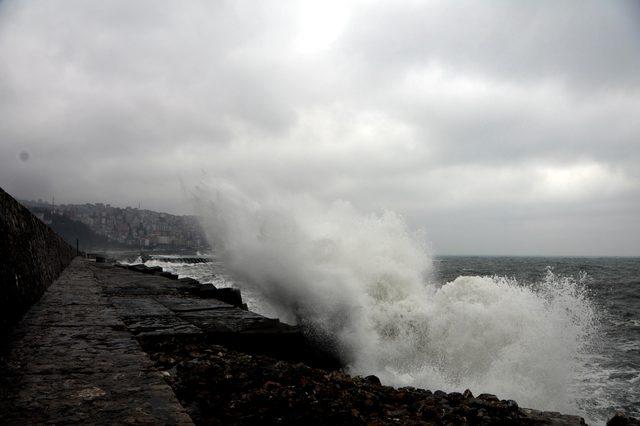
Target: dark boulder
<point>139,268</point>
<point>230,295</point>
<point>206,291</point>
<point>167,274</point>
<point>621,419</point>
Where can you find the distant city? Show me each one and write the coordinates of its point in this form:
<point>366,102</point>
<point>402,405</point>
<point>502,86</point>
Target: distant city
<point>131,227</point>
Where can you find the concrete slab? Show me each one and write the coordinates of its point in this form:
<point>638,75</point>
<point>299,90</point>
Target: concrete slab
<point>73,360</point>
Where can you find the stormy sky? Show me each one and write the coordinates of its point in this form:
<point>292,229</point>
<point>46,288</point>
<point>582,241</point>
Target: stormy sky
<point>498,127</point>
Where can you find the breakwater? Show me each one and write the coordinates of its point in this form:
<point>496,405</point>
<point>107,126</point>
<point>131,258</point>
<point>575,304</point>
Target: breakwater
<point>177,259</point>
<point>115,345</point>
<point>137,344</point>
<point>32,256</point>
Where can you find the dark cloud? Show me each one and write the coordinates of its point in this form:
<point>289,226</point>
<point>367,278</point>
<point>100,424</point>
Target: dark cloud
<point>484,123</point>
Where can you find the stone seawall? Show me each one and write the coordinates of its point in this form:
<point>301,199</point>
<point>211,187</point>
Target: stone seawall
<point>32,256</point>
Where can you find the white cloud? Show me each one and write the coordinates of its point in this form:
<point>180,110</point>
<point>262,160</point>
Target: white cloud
<point>468,115</point>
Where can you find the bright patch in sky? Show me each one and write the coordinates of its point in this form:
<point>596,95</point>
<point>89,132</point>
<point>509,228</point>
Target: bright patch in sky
<point>320,24</point>
<point>580,180</point>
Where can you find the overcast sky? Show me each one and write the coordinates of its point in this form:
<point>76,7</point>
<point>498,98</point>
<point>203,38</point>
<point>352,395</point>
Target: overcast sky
<point>499,127</point>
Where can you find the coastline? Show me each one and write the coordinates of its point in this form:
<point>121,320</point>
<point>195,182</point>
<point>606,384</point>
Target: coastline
<point>200,355</point>
<point>217,384</point>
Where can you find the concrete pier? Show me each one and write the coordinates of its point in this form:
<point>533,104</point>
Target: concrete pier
<point>77,356</point>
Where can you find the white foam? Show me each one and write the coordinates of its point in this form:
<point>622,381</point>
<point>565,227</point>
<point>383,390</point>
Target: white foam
<point>363,281</point>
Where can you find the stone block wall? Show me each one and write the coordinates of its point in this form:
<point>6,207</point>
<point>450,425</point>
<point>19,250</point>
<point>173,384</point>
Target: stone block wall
<point>32,256</point>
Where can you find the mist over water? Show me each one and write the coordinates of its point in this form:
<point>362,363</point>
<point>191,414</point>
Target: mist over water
<point>364,284</point>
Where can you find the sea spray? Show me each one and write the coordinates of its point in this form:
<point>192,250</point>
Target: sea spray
<point>364,283</point>
<point>490,334</point>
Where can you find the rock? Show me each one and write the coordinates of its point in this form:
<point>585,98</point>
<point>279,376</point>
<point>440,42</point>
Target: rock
<point>189,281</point>
<point>206,291</point>
<point>511,404</point>
<point>229,295</point>
<point>169,275</point>
<point>440,394</point>
<point>141,267</point>
<point>221,386</point>
<point>488,397</point>
<point>373,380</point>
<point>455,398</point>
<point>529,416</point>
<point>621,419</point>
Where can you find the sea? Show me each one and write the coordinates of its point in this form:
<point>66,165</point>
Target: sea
<point>556,333</point>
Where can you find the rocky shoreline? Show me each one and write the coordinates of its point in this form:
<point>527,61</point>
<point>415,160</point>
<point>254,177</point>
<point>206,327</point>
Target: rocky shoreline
<point>219,385</point>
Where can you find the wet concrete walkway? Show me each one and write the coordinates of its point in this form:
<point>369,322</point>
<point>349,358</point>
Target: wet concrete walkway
<point>76,357</point>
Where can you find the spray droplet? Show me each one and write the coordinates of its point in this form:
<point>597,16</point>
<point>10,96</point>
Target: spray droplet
<point>24,156</point>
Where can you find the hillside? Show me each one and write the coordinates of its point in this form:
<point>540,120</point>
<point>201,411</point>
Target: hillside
<point>70,230</point>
